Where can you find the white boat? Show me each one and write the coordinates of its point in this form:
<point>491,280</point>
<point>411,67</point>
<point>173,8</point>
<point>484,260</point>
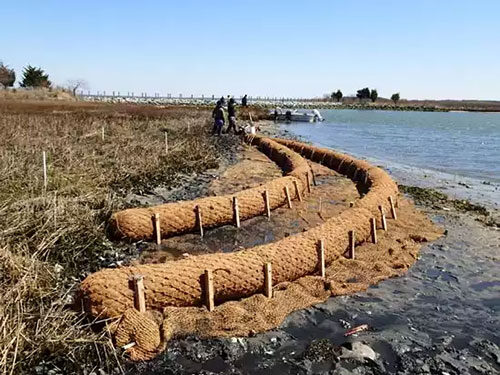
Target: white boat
<point>287,115</point>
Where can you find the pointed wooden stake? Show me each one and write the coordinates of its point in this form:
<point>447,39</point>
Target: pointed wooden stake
<point>268,280</point>
<point>266,203</point>
<point>352,244</point>
<point>319,205</point>
<point>308,182</point>
<point>382,217</point>
<point>373,225</point>
<point>209,290</point>
<point>156,219</point>
<point>297,191</point>
<point>139,299</point>
<point>322,269</point>
<point>288,200</point>
<point>313,177</point>
<point>393,209</point>
<point>199,220</point>
<point>236,212</point>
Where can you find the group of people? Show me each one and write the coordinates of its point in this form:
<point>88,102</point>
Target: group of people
<point>220,118</point>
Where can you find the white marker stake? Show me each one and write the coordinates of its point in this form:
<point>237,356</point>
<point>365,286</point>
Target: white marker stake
<point>44,157</point>
<point>166,143</point>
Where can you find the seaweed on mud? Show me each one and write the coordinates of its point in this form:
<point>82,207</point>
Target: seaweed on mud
<point>434,198</point>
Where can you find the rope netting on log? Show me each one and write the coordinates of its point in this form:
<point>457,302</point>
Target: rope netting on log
<point>110,293</point>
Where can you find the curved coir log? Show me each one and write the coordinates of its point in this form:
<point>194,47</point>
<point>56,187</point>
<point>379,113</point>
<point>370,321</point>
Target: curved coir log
<point>109,293</point>
<point>180,217</point>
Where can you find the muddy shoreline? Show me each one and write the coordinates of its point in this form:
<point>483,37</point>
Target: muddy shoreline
<point>441,317</point>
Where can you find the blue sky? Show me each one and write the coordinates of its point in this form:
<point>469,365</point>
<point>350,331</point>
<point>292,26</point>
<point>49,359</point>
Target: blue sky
<point>423,49</point>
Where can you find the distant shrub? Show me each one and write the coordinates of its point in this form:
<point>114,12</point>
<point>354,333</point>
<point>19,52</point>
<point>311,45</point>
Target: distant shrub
<point>35,77</point>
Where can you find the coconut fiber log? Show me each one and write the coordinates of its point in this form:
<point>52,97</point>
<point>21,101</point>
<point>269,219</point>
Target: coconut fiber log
<point>180,217</point>
<point>109,293</point>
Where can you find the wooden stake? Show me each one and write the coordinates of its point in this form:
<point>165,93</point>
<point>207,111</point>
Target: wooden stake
<point>352,244</point>
<point>308,182</point>
<point>166,143</point>
<point>139,299</point>
<point>382,217</point>
<point>102,133</point>
<point>393,210</point>
<point>156,219</point>
<point>266,203</point>
<point>297,191</point>
<point>268,280</point>
<point>322,269</point>
<point>198,219</point>
<point>314,178</point>
<point>287,195</point>
<point>373,225</point>
<point>209,290</point>
<point>44,160</point>
<point>236,212</point>
<point>319,205</point>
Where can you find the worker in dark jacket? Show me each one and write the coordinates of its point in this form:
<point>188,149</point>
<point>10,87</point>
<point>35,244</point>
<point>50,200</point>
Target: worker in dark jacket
<point>231,112</point>
<point>244,101</point>
<point>218,115</point>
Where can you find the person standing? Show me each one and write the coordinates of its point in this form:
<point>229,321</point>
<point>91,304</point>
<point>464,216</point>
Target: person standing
<point>244,101</point>
<point>231,112</point>
<point>218,115</point>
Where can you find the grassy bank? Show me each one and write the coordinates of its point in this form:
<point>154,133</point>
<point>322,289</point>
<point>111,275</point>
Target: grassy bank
<point>52,237</point>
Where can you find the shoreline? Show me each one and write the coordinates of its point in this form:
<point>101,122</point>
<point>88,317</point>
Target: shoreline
<point>406,315</point>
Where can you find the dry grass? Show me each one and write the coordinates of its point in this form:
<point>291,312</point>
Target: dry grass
<point>51,238</point>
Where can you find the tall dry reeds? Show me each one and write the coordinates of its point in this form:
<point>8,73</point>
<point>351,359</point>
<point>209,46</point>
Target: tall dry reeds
<point>50,238</point>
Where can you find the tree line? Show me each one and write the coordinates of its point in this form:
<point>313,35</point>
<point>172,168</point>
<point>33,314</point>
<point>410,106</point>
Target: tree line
<point>33,77</point>
<point>364,94</point>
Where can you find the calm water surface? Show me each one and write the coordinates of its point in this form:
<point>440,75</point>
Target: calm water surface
<point>460,143</point>
<point>449,145</point>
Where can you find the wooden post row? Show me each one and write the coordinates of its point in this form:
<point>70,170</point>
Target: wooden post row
<point>209,290</point>
<point>236,212</point>
<point>288,200</point>
<point>139,299</point>
<point>268,280</point>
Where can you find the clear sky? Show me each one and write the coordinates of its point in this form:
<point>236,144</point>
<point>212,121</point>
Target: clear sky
<point>423,49</point>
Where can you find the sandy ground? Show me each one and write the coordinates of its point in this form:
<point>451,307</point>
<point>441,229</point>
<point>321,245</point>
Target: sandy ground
<point>442,317</point>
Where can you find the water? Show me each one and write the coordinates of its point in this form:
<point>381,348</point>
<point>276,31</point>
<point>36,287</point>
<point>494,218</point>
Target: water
<point>455,151</point>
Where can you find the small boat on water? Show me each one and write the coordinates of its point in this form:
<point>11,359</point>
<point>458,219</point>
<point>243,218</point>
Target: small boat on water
<point>288,115</point>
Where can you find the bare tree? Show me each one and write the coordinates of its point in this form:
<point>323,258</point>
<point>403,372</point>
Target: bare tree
<point>75,84</point>
<point>7,76</point>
